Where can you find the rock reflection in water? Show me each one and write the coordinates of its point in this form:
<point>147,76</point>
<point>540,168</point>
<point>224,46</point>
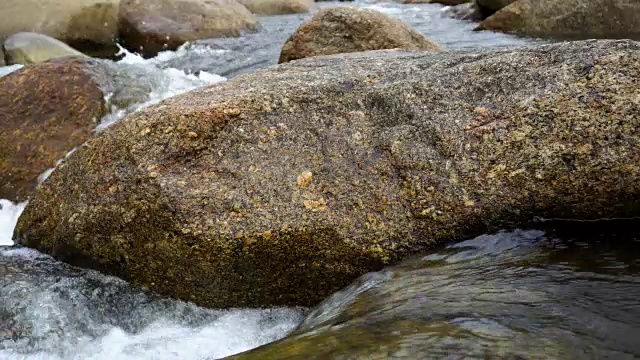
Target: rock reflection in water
<point>512,295</point>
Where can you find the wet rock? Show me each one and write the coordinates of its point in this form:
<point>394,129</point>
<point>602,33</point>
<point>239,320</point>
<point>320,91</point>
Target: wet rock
<point>443,2</point>
<point>348,29</point>
<point>277,7</point>
<point>2,62</point>
<point>87,25</point>
<point>468,11</point>
<point>46,110</point>
<point>488,7</point>
<point>150,26</point>
<point>571,19</point>
<point>29,48</point>
<point>282,186</point>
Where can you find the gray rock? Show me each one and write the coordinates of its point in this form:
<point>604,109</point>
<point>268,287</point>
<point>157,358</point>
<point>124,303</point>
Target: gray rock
<point>281,186</point>
<point>30,48</point>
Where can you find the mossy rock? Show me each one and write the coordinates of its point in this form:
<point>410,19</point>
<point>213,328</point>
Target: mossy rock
<point>281,186</point>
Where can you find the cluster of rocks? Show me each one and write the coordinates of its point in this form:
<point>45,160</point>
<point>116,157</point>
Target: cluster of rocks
<point>281,186</point>
<point>96,27</point>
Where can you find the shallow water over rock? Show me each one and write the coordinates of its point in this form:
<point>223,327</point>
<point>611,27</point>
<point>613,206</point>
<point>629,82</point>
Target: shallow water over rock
<point>560,294</point>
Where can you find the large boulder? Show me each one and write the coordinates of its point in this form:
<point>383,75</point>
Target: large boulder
<point>150,26</point>
<point>45,110</point>
<point>488,7</point>
<point>347,29</point>
<point>569,19</point>
<point>281,186</point>
<point>30,48</point>
<point>88,25</point>
<point>277,7</point>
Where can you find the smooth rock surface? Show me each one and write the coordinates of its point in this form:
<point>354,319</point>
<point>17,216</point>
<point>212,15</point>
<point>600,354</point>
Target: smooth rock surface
<point>151,26</point>
<point>29,48</point>
<point>569,19</point>
<point>46,110</point>
<point>278,7</point>
<point>347,29</point>
<point>83,24</point>
<point>284,185</point>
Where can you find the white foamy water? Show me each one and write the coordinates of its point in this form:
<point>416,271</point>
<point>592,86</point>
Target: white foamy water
<point>9,213</point>
<point>50,310</point>
<point>165,82</point>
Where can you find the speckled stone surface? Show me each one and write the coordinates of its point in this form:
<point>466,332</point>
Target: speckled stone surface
<point>282,186</point>
<point>46,110</point>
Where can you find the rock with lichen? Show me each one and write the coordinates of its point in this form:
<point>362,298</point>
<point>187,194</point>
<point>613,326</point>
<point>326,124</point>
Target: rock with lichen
<point>281,186</point>
<point>345,29</point>
<point>569,19</point>
<point>46,110</point>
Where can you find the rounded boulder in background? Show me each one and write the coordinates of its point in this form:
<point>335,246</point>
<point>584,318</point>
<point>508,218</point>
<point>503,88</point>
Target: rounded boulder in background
<point>151,26</point>
<point>346,29</point>
<point>30,48</point>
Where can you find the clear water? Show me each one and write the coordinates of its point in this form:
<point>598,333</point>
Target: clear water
<point>569,293</point>
<point>49,310</point>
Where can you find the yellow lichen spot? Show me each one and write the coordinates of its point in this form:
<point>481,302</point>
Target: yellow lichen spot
<point>315,205</point>
<point>516,172</point>
<point>145,131</point>
<point>232,112</point>
<point>192,134</point>
<point>266,235</point>
<point>481,110</point>
<point>304,179</point>
<point>468,202</point>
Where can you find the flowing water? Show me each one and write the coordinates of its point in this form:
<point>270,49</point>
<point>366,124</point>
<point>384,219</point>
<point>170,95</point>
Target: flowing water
<point>522,294</point>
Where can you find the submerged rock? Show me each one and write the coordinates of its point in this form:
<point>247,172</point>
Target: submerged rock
<point>283,185</point>
<point>569,19</point>
<point>468,11</point>
<point>347,29</point>
<point>277,7</point>
<point>45,111</point>
<point>83,24</point>
<point>30,48</point>
<point>488,7</point>
<point>151,26</point>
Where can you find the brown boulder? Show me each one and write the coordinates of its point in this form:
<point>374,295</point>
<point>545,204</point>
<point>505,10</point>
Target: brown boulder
<point>281,186</point>
<point>569,19</point>
<point>151,26</point>
<point>46,110</point>
<point>87,25</point>
<point>347,29</point>
<point>277,7</point>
